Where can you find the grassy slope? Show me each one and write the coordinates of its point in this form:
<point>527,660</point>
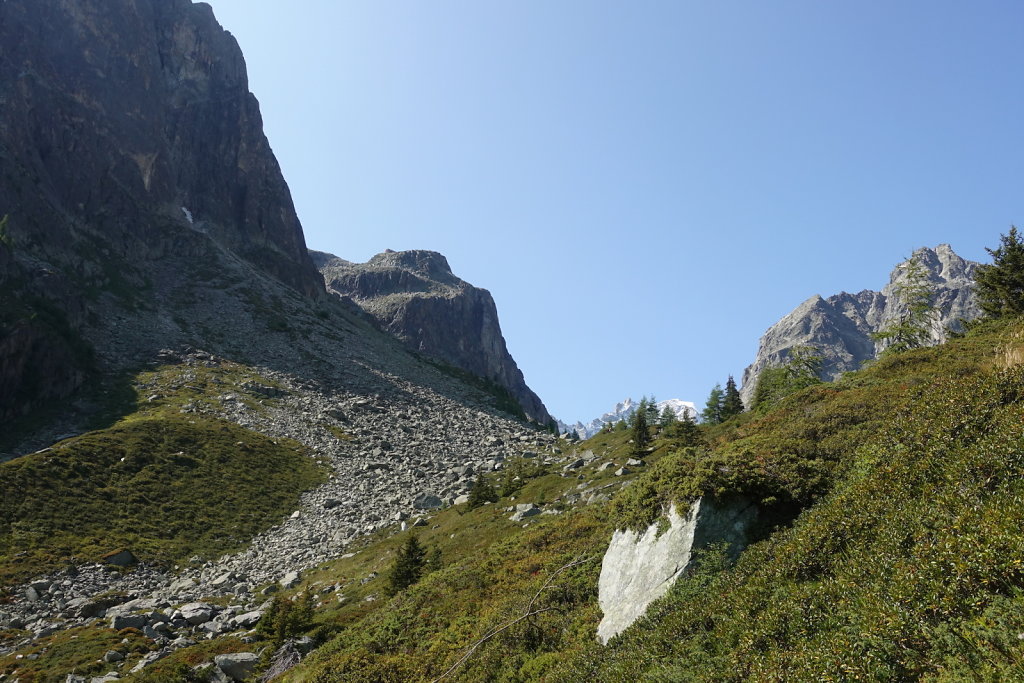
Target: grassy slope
<point>908,562</point>
<point>164,484</point>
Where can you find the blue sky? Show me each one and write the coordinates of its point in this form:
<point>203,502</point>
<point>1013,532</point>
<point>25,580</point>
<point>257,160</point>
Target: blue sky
<point>644,187</point>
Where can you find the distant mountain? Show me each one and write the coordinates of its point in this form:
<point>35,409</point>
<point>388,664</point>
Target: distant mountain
<point>415,296</point>
<point>840,326</point>
<point>623,411</point>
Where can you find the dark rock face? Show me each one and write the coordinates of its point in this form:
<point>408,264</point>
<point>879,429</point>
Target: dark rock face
<point>840,326</point>
<point>128,136</point>
<point>125,120</point>
<point>414,296</point>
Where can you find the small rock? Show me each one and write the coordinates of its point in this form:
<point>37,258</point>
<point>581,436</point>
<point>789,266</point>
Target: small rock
<point>290,580</point>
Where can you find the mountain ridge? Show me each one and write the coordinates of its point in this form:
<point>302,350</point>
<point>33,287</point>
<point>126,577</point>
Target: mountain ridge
<point>414,296</point>
<point>840,326</point>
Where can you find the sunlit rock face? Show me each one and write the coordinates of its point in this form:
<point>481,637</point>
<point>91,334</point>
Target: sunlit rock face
<point>639,568</point>
<point>840,327</point>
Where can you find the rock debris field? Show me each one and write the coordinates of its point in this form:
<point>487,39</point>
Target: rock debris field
<point>393,458</point>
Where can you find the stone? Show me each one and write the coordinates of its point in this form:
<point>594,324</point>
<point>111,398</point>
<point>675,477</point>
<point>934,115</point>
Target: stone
<point>120,558</point>
<point>127,621</point>
<point>239,665</point>
<point>112,656</point>
<point>196,613</point>
<point>622,471</point>
<point>427,501</point>
<point>523,511</point>
<point>639,568</point>
<point>290,580</point>
<point>182,584</point>
<point>332,503</point>
<point>223,579</point>
<point>246,620</point>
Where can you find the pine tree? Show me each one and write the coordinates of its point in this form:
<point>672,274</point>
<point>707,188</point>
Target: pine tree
<point>652,411</point>
<point>686,431</point>
<point>481,493</point>
<point>732,404</point>
<point>1000,285</point>
<point>668,418</point>
<point>408,565</point>
<point>641,436</point>
<point>712,413</point>
<point>913,328</point>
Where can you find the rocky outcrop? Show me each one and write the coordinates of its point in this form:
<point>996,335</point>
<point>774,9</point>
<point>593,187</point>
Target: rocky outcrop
<point>415,296</point>
<point>128,132</point>
<point>840,326</point>
<point>128,120</point>
<point>639,568</point>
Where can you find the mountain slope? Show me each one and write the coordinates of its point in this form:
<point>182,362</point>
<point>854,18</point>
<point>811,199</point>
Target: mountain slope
<point>840,326</point>
<point>415,296</point>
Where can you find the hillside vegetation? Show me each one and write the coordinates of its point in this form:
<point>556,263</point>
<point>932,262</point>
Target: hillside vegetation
<point>164,484</point>
<point>906,562</point>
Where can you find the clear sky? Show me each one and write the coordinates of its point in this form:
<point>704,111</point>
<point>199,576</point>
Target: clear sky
<point>644,187</point>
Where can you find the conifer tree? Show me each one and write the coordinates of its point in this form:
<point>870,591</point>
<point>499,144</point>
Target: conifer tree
<point>686,431</point>
<point>1000,285</point>
<point>408,565</point>
<point>482,492</point>
<point>732,404</point>
<point>641,436</point>
<point>667,418</point>
<point>712,413</point>
<point>652,411</point>
<point>913,328</point>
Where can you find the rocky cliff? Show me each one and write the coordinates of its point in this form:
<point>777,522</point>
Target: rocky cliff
<point>840,326</point>
<point>415,296</point>
<point>128,131</point>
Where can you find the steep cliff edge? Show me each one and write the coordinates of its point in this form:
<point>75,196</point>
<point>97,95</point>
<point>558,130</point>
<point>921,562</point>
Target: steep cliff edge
<point>415,296</point>
<point>840,326</point>
<point>128,137</point>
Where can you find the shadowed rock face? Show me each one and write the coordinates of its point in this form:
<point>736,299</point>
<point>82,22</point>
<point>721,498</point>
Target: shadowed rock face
<point>128,131</point>
<point>414,296</point>
<point>840,326</point>
<point>119,114</point>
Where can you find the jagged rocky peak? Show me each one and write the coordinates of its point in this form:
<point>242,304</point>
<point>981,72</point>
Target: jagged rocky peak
<point>128,124</point>
<point>415,296</point>
<point>840,326</point>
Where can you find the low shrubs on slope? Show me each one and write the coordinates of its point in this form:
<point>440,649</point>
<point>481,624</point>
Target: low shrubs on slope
<point>911,568</point>
<point>166,487</point>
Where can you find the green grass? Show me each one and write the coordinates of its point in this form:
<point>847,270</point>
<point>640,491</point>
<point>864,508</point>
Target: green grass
<point>165,487</point>
<point>164,484</point>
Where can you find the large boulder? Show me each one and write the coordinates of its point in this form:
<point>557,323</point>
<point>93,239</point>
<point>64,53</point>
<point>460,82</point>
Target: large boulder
<point>238,666</point>
<point>638,568</point>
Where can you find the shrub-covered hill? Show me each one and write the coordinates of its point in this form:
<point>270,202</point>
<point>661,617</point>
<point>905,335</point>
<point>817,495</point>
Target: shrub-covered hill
<point>165,484</point>
<point>895,551</point>
<point>907,561</point>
